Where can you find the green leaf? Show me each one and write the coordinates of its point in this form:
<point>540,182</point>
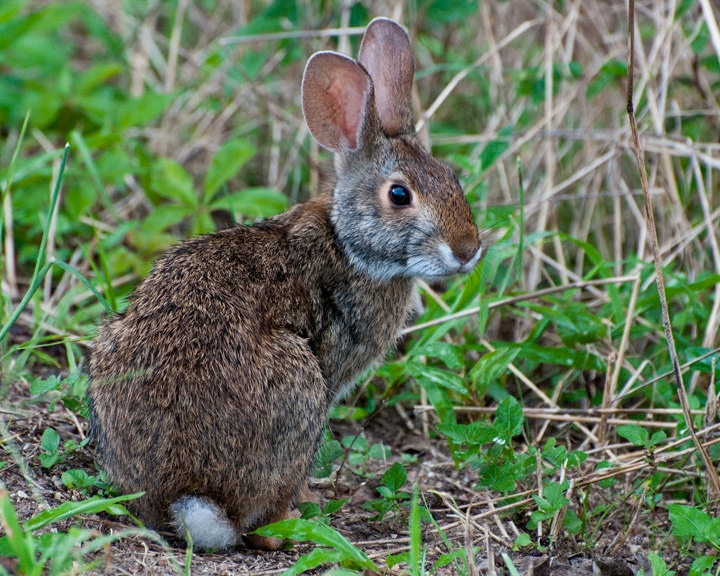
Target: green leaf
<point>50,440</point>
<point>142,110</point>
<point>572,522</point>
<point>702,566</point>
<point>252,203</point>
<point>313,559</point>
<point>635,434</point>
<point>378,451</point>
<point>490,367</point>
<point>473,435</point>
<point>171,181</point>
<point>299,530</point>
<point>658,437</point>
<point>335,505</point>
<point>659,568</point>
<point>327,454</point>
<point>225,164</point>
<point>395,477</point>
<point>424,374</point>
<point>509,419</point>
<point>689,521</point>
<point>441,402</point>
<point>41,386</point>
<point>496,148</point>
<point>163,217</point>
<point>450,354</point>
<point>20,543</point>
<point>613,69</point>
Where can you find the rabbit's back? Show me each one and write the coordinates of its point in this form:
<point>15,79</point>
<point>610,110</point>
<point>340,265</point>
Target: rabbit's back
<point>217,379</point>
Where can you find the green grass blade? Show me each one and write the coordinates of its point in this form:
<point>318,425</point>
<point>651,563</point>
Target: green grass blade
<point>21,543</point>
<point>55,196</point>
<point>70,509</point>
<point>416,568</point>
<point>11,171</point>
<point>85,282</point>
<point>521,240</point>
<point>34,285</point>
<point>77,139</point>
<point>103,541</point>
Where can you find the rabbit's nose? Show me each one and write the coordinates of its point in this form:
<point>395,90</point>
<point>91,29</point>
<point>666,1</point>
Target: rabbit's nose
<point>466,248</point>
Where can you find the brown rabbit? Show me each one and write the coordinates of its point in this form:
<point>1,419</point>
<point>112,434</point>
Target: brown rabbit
<point>210,393</point>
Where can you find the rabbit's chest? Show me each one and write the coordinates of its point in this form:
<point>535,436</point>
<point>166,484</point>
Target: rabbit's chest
<point>357,327</point>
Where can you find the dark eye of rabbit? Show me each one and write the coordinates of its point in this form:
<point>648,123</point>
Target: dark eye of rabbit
<point>400,196</point>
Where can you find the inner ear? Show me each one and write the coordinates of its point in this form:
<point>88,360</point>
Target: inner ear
<point>336,100</point>
<point>386,54</point>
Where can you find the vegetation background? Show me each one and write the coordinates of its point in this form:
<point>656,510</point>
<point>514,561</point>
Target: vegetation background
<point>533,403</point>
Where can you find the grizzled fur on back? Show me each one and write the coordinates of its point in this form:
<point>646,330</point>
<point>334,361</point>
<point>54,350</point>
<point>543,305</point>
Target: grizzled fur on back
<point>207,346</point>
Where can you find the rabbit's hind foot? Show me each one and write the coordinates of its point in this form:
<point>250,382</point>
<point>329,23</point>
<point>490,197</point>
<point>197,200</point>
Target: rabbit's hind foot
<point>204,522</point>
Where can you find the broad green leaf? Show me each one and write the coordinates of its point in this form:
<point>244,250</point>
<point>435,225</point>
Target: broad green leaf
<point>40,385</point>
<point>171,181</point>
<point>659,568</point>
<point>702,566</point>
<point>689,521</point>
<point>252,203</point>
<point>225,164</point>
<point>335,505</point>
<point>163,217</point>
<point>580,359</point>
<point>450,354</point>
<point>140,111</point>
<point>327,454</point>
<point>509,419</point>
<point>490,367</point>
<point>474,434</point>
<point>612,70</point>
<point>50,440</point>
<point>494,149</point>
<point>424,374</point>
<point>635,434</point>
<point>313,559</point>
<point>298,529</point>
<point>395,477</point>
<point>441,402</point>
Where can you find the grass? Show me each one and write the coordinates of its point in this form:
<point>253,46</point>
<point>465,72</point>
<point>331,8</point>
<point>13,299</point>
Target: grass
<point>561,400</point>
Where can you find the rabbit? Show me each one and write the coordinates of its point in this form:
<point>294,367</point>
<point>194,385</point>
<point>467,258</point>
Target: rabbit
<point>210,393</point>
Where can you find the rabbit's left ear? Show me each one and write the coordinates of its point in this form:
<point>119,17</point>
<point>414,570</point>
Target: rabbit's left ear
<point>386,54</point>
<point>337,101</point>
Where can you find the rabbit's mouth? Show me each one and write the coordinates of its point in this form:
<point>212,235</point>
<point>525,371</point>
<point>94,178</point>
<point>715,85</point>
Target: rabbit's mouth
<point>443,263</point>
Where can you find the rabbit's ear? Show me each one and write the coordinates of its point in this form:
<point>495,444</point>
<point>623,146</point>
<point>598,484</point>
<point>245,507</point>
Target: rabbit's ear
<point>336,100</point>
<point>386,54</point>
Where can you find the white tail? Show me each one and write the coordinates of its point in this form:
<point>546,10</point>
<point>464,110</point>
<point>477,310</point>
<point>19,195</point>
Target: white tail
<point>204,522</point>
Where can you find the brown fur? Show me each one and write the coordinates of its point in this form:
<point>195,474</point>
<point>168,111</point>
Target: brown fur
<point>217,380</point>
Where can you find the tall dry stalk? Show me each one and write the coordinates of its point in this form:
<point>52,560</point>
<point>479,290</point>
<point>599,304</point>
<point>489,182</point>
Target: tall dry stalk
<point>650,221</point>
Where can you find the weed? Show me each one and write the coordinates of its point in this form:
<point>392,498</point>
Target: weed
<point>313,511</point>
<point>57,552</point>
<point>393,497</point>
<point>333,547</point>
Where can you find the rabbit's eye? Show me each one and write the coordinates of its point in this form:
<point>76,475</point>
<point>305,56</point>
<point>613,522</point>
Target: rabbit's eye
<point>400,196</point>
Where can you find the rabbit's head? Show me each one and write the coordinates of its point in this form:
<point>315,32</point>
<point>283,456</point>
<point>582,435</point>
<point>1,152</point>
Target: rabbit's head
<point>396,210</point>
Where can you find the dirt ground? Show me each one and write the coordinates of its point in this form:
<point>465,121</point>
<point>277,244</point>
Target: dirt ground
<point>463,514</point>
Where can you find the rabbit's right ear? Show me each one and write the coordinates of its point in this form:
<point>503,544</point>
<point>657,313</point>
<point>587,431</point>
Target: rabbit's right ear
<point>336,99</point>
